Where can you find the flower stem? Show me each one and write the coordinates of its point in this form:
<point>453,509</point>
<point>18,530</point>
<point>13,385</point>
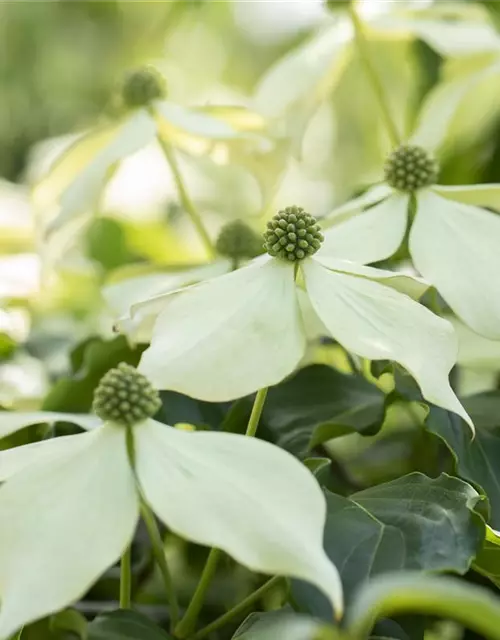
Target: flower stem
<point>258,405</point>
<point>126,579</point>
<point>188,622</point>
<point>239,609</point>
<point>185,199</point>
<point>159,554</point>
<point>372,74</point>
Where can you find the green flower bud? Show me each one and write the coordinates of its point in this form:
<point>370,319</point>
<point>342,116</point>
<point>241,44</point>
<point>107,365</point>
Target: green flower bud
<point>142,86</point>
<point>292,234</point>
<point>125,396</point>
<point>409,168</point>
<point>237,241</point>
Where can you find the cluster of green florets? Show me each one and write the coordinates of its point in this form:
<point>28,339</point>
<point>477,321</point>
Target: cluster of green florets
<point>142,86</point>
<point>409,168</point>
<point>125,396</point>
<point>292,234</point>
<point>238,241</point>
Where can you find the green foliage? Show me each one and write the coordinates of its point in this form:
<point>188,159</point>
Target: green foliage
<point>412,523</point>
<point>125,625</point>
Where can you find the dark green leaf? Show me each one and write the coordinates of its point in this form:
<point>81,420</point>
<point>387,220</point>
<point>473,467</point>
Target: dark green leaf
<point>320,403</point>
<point>477,460</point>
<point>75,392</point>
<point>177,407</point>
<point>414,522</point>
<point>125,625</point>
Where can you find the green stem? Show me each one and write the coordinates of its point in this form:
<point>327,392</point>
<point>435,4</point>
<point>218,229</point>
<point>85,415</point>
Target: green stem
<point>258,405</point>
<point>188,622</point>
<point>372,74</point>
<point>126,579</point>
<point>238,610</point>
<point>159,554</point>
<point>185,199</point>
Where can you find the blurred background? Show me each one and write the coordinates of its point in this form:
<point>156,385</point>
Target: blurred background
<point>290,67</point>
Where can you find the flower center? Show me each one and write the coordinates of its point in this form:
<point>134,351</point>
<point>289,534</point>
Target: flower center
<point>125,396</point>
<point>238,241</point>
<point>409,168</point>
<point>142,86</point>
<point>292,234</point>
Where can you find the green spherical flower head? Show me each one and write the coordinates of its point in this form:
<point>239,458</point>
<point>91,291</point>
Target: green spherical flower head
<point>409,168</point>
<point>292,234</point>
<point>237,241</point>
<point>142,86</point>
<point>125,396</point>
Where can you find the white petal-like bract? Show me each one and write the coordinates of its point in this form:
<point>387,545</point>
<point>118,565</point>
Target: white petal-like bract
<point>16,459</point>
<point>410,285</point>
<point>196,122</point>
<point>245,496</point>
<point>370,236</point>
<point>482,195</point>
<point>64,522</point>
<point>139,300</point>
<point>12,421</point>
<point>230,336</point>
<point>354,207</point>
<point>440,108</point>
<point>81,194</point>
<point>376,322</point>
<point>455,247</point>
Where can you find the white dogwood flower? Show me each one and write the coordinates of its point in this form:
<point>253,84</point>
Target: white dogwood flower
<point>75,181</point>
<point>236,333</point>
<point>453,241</point>
<point>71,504</point>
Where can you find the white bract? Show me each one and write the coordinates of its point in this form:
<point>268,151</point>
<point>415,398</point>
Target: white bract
<point>71,506</point>
<point>453,241</point>
<point>309,73</point>
<point>234,334</point>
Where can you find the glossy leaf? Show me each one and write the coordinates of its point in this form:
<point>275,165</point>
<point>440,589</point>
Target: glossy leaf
<point>414,522</point>
<point>477,460</point>
<point>319,403</point>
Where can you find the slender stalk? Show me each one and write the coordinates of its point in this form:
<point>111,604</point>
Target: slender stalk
<point>372,74</point>
<point>258,406</point>
<point>185,198</point>
<point>238,610</point>
<point>126,579</point>
<point>188,622</point>
<point>159,554</point>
